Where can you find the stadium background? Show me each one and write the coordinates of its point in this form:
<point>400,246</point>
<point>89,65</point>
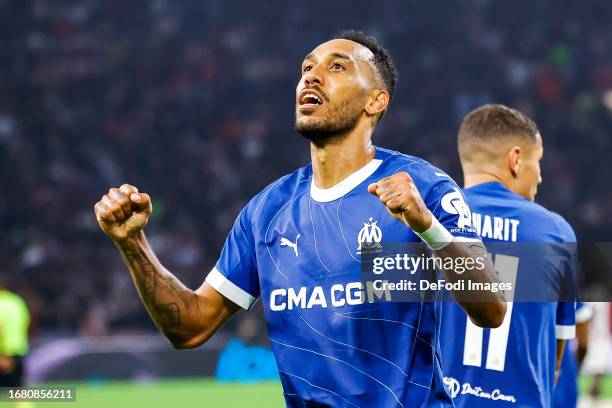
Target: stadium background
<point>193,101</point>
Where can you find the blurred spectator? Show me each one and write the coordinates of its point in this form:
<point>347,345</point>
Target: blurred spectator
<point>192,101</point>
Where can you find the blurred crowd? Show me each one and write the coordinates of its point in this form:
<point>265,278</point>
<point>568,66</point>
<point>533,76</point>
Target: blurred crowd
<point>193,102</point>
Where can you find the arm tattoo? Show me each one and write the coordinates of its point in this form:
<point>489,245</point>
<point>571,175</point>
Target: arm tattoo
<point>156,283</point>
<point>170,314</point>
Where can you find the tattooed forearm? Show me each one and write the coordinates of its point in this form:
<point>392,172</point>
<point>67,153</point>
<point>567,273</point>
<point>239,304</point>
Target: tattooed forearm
<point>185,295</point>
<point>170,314</point>
<point>138,262</point>
<point>163,295</point>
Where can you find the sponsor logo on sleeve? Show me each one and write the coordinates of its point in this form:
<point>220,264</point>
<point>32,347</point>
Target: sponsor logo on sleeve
<point>453,203</point>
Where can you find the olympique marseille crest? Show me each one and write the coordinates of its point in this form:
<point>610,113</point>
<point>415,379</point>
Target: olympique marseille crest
<point>370,236</point>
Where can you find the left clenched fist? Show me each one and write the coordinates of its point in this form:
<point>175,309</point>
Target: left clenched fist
<point>399,194</point>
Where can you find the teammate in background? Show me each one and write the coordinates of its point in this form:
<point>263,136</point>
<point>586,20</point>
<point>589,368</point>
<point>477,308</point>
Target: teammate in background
<point>14,323</point>
<point>297,246</point>
<point>598,360</point>
<point>514,365</point>
<point>565,394</point>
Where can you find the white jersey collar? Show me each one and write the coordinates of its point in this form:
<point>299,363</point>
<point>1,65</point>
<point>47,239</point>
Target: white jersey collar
<point>326,195</point>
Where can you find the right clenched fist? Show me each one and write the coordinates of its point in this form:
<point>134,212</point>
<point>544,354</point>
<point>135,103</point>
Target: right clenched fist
<point>123,212</point>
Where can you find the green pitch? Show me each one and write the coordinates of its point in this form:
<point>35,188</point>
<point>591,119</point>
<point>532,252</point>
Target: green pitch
<point>201,393</point>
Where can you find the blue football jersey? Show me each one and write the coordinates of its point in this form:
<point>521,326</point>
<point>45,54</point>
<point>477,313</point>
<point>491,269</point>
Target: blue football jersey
<point>297,247</point>
<point>565,394</point>
<point>512,365</point>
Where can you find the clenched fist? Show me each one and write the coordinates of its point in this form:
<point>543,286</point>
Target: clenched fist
<point>123,212</point>
<point>399,194</point>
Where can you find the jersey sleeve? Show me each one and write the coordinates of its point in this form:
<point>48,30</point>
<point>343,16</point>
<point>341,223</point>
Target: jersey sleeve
<point>566,320</point>
<point>235,273</point>
<point>448,204</point>
<point>566,310</point>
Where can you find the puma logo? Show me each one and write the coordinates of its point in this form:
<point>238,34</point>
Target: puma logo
<point>293,245</point>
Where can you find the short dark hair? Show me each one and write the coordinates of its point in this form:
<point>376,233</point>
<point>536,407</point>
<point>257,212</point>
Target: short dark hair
<point>382,61</point>
<point>494,121</point>
<point>487,126</point>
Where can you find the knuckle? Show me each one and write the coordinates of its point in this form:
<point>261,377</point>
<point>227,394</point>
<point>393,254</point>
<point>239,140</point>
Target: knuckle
<point>121,199</point>
<point>116,195</point>
<point>128,188</point>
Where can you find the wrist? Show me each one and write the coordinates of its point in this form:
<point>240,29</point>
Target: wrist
<point>131,240</point>
<point>436,236</point>
<point>422,224</point>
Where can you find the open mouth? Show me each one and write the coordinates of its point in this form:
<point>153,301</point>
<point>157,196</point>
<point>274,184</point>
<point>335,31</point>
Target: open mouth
<point>310,98</point>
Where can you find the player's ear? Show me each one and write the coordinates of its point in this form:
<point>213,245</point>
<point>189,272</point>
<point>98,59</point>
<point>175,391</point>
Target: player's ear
<point>378,102</point>
<point>514,160</point>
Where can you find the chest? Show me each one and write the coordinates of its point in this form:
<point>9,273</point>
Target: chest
<point>308,243</point>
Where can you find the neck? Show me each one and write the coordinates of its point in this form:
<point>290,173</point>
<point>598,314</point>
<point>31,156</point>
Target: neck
<point>336,159</point>
<point>472,179</point>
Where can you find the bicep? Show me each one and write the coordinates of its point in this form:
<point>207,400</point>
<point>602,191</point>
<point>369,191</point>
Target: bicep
<point>213,309</point>
<point>215,304</point>
<point>231,285</point>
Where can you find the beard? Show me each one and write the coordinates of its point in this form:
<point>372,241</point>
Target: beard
<point>339,120</point>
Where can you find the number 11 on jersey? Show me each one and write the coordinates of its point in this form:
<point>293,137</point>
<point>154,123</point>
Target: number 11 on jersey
<point>507,268</point>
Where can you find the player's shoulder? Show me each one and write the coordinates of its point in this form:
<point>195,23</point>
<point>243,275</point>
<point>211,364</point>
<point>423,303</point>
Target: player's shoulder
<point>420,170</point>
<point>565,229</point>
<point>554,224</point>
<point>280,192</point>
<point>539,224</point>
